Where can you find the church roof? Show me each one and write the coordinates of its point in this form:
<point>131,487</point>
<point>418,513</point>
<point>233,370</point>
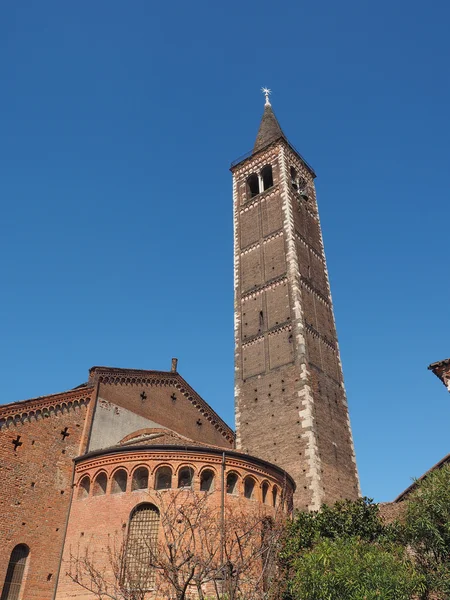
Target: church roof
<point>160,437</point>
<point>413,486</point>
<point>269,130</point>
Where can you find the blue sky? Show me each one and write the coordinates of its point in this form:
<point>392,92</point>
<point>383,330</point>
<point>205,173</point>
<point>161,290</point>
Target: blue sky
<point>118,125</point>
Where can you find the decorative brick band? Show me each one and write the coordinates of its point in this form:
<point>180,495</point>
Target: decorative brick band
<point>267,239</point>
<point>264,288</point>
<point>261,197</point>
<point>323,338</point>
<point>308,285</point>
<point>43,410</point>
<point>303,240</point>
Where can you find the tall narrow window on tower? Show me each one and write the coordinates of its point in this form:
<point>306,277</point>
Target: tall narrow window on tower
<point>252,186</point>
<point>294,178</point>
<point>267,177</point>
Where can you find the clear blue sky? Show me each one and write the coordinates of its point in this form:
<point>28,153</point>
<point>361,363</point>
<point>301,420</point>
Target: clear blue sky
<point>118,123</point>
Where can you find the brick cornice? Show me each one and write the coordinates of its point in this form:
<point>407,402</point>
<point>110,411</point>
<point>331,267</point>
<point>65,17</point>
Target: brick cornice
<point>175,453</point>
<point>26,409</point>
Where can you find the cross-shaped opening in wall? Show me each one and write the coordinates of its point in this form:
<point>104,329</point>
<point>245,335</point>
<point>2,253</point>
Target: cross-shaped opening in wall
<point>173,397</point>
<point>65,433</point>
<point>199,422</point>
<point>16,443</point>
<point>143,396</point>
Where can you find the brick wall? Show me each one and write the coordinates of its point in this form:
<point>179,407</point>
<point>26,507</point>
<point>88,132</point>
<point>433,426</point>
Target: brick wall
<point>36,481</point>
<point>164,398</point>
<point>99,522</point>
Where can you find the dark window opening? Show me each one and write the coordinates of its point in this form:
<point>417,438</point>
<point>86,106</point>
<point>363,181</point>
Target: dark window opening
<point>267,177</point>
<point>294,179</point>
<point>163,478</point>
<point>119,482</point>
<point>274,496</point>
<point>140,479</point>
<point>207,481</point>
<point>137,572</point>
<point>249,487</point>
<point>265,489</point>
<point>100,485</point>
<point>252,186</point>
<point>232,480</point>
<point>15,572</point>
<point>185,477</point>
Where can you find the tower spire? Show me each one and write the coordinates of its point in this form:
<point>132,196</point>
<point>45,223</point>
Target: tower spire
<point>266,93</point>
<point>269,128</point>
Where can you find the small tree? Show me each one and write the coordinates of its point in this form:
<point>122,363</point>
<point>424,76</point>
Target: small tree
<point>198,552</point>
<point>427,530</point>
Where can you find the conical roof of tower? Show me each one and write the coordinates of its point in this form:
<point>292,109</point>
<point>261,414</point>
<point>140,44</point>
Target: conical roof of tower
<point>269,130</point>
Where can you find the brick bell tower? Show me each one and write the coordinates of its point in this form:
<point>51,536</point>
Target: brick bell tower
<point>291,407</point>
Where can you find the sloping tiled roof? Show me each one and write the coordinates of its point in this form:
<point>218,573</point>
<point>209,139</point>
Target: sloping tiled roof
<point>160,437</point>
<point>269,130</point>
<point>412,487</point>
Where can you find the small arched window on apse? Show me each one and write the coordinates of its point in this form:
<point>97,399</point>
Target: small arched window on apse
<point>15,572</point>
<point>232,483</point>
<point>163,478</point>
<point>249,487</point>
<point>84,488</point>
<point>140,479</point>
<point>185,476</point>
<point>294,179</point>
<point>252,186</point>
<point>137,571</point>
<point>119,482</point>
<point>264,489</point>
<point>100,485</point>
<point>274,496</point>
<point>207,480</point>
<point>267,177</point>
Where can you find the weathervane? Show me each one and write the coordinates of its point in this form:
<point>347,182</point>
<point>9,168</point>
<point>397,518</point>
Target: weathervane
<point>266,93</point>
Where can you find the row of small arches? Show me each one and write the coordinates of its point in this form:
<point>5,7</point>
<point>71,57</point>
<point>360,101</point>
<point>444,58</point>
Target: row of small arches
<point>57,409</point>
<point>165,479</point>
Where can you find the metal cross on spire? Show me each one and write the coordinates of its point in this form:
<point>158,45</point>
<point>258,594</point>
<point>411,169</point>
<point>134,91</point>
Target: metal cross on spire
<point>266,93</point>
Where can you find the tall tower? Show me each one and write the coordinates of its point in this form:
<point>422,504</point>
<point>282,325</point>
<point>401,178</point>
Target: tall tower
<point>291,407</point>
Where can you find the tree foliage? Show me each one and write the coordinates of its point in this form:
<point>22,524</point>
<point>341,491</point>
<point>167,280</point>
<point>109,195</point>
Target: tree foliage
<point>354,569</point>
<point>427,531</point>
<point>346,552</point>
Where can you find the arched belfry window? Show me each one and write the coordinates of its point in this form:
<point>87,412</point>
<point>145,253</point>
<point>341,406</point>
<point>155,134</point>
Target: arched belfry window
<point>267,177</point>
<point>294,178</point>
<point>15,573</point>
<point>138,572</point>
<point>252,186</point>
